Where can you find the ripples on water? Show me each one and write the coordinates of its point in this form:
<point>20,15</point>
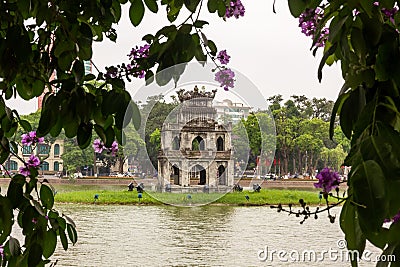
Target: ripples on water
<point>201,236</point>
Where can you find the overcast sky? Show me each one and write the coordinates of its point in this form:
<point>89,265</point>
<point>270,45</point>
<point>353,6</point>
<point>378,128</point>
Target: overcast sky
<point>268,48</point>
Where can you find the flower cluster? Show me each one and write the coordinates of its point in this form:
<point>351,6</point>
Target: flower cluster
<point>33,162</point>
<point>135,54</point>
<point>223,57</point>
<point>308,22</point>
<point>134,68</point>
<point>139,52</point>
<point>225,78</point>
<point>389,13</point>
<point>99,147</point>
<point>235,9</point>
<point>327,180</point>
<point>1,252</point>
<point>30,139</point>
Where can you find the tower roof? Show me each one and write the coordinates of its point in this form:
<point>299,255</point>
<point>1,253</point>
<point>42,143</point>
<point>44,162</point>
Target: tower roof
<point>184,95</point>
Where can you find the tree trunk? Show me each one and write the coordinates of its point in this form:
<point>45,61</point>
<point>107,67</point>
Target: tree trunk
<point>294,163</point>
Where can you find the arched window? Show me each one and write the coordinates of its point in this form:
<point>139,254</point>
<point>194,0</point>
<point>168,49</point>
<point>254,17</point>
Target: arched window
<point>198,144</point>
<point>11,165</point>
<point>26,150</point>
<point>44,166</point>
<point>175,143</point>
<point>56,166</point>
<point>220,144</point>
<point>56,150</point>
<point>43,149</point>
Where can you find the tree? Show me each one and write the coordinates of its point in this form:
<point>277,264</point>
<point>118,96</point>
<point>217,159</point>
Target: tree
<point>39,39</point>
<point>75,158</point>
<point>363,37</point>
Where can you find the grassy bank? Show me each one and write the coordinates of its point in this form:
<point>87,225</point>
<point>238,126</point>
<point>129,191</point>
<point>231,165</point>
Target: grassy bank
<point>118,195</point>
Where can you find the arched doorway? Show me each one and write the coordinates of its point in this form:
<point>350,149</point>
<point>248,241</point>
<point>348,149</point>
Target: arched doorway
<point>175,174</point>
<point>221,175</point>
<point>198,172</point>
<point>220,144</point>
<point>198,144</point>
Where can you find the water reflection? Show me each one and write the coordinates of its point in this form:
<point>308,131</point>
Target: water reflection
<point>201,236</point>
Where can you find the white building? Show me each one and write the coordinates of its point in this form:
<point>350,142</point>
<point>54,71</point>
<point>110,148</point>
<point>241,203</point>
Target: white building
<point>228,111</point>
<point>51,153</point>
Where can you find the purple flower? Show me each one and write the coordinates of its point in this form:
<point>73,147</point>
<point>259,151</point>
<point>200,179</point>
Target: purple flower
<point>223,57</point>
<point>328,180</point>
<point>323,37</point>
<point>139,52</point>
<point>2,251</point>
<point>136,55</point>
<point>396,218</point>
<point>24,171</point>
<point>114,148</point>
<point>235,9</point>
<point>33,161</point>
<point>308,22</point>
<point>35,220</point>
<point>98,146</point>
<point>376,3</point>
<point>225,78</point>
<point>30,139</point>
<point>390,13</point>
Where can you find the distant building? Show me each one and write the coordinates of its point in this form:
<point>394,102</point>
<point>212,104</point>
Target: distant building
<point>228,111</point>
<point>51,152</point>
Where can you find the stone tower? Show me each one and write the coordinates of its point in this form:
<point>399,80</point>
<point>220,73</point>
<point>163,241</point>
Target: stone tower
<point>195,149</point>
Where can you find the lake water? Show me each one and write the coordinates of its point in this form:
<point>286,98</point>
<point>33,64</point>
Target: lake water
<point>200,236</point>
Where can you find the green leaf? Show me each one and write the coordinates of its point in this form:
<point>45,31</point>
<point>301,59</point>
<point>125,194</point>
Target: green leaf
<point>46,196</point>
<point>350,110</point>
<point>72,234</point>
<point>221,8</point>
<point>297,7</point>
<point>358,42</point>
<point>151,5</point>
<point>336,108</point>
<point>327,54</point>
<point>62,223</point>
<point>368,183</point>
<point>25,125</point>
<point>213,47</point>
<point>212,6</point>
<point>35,255</point>
<point>136,12</point>
<point>84,135</point>
<point>191,5</point>
<point>63,238</point>
<point>14,246</point>
<point>136,116</point>
<point>110,136</point>
<point>200,23</point>
<point>50,243</point>
<point>15,193</point>
<point>100,132</point>
<point>336,27</point>
<point>350,226</point>
<point>6,218</point>
<point>38,207</point>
